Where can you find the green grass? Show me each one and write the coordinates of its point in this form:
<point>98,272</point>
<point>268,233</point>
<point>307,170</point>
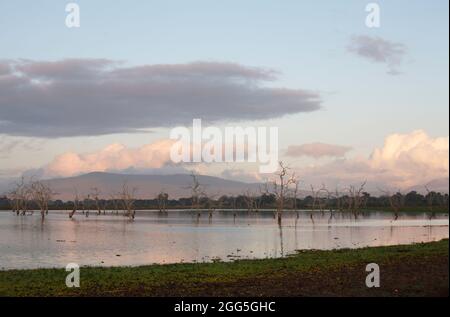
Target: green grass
<point>194,279</point>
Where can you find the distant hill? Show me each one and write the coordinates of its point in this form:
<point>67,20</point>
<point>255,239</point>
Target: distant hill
<point>148,186</point>
<point>438,185</point>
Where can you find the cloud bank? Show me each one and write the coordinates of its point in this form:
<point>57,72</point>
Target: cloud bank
<point>378,50</point>
<point>317,150</point>
<point>114,157</point>
<point>79,97</point>
<point>414,158</point>
<point>405,160</point>
<point>8,144</point>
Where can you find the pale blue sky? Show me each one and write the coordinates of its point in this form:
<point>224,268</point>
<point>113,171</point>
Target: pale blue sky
<point>306,41</point>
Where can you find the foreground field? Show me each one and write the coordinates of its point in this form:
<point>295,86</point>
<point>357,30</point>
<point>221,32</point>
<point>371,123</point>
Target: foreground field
<point>414,270</point>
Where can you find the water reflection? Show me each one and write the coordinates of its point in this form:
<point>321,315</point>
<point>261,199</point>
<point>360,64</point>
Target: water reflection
<point>186,236</point>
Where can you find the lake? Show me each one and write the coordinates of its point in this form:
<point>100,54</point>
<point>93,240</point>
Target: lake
<point>180,236</point>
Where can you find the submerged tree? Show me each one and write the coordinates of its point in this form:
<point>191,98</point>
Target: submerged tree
<point>197,192</point>
<point>19,197</point>
<point>396,202</point>
<point>76,202</point>
<point>41,194</point>
<point>296,183</point>
<point>95,194</point>
<point>430,197</point>
<point>127,197</point>
<point>356,198</point>
<point>87,205</point>
<point>115,200</point>
<point>281,188</point>
<point>162,199</point>
<point>250,200</point>
<point>338,199</point>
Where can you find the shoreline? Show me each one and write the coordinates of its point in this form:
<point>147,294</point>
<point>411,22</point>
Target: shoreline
<point>405,270</point>
<point>413,210</point>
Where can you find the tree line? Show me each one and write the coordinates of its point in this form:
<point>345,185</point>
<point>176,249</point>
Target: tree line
<point>280,194</point>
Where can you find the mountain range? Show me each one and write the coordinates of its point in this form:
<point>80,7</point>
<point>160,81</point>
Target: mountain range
<point>176,185</point>
<point>147,186</point>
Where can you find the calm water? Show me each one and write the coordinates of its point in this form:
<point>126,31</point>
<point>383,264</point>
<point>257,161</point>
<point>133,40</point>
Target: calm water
<point>179,236</point>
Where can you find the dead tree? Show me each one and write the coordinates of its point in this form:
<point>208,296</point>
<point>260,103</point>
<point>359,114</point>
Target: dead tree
<point>87,205</point>
<point>128,198</point>
<point>19,197</point>
<point>323,197</point>
<point>95,194</point>
<point>210,204</point>
<point>41,194</point>
<point>281,188</point>
<point>316,202</point>
<point>76,203</point>
<point>115,203</point>
<point>221,202</point>
<point>327,197</point>
<point>396,202</point>
<point>339,203</point>
<point>443,202</point>
<point>294,197</point>
<point>14,201</point>
<point>264,191</point>
<point>356,198</point>
<point>197,192</point>
<point>233,201</point>
<point>162,199</point>
<point>249,199</point>
<point>256,201</point>
<point>430,197</point>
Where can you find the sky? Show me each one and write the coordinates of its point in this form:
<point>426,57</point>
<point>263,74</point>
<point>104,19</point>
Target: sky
<point>351,102</point>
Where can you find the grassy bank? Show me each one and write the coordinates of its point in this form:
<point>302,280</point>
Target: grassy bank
<point>415,270</point>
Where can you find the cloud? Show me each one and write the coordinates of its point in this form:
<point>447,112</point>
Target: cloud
<point>241,175</point>
<point>403,161</point>
<point>8,144</point>
<point>79,97</point>
<point>114,157</point>
<point>378,50</point>
<point>415,158</point>
<point>317,150</point>
<point>4,69</point>
<point>11,173</point>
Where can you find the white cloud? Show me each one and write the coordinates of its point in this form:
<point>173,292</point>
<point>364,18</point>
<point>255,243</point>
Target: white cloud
<point>9,144</point>
<point>403,161</point>
<point>242,175</point>
<point>414,158</point>
<point>114,157</point>
<point>317,150</point>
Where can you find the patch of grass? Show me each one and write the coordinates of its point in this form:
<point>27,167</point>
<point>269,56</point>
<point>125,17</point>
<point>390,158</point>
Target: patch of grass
<point>242,277</point>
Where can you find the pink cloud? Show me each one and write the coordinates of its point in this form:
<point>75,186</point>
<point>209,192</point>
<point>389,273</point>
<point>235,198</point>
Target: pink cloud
<point>317,150</point>
<point>112,157</point>
<point>403,161</point>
